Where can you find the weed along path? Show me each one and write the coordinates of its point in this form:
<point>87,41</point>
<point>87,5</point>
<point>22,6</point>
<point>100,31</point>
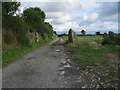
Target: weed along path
<point>45,67</point>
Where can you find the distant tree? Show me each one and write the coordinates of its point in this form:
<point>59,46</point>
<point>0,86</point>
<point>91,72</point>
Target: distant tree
<point>83,32</point>
<point>64,34</point>
<point>98,33</point>
<point>105,33</point>
<point>55,32</point>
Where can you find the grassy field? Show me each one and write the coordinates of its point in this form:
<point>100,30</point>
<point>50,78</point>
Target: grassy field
<point>92,57</point>
<point>11,54</point>
<point>97,39</point>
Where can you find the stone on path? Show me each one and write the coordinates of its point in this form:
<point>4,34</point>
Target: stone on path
<point>57,50</point>
<point>62,72</point>
<point>67,66</point>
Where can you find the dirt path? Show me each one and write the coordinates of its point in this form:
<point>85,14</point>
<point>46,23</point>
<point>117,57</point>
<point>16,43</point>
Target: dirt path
<point>45,67</point>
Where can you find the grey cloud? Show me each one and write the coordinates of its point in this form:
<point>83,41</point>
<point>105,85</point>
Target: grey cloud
<point>108,12</point>
<point>109,8</point>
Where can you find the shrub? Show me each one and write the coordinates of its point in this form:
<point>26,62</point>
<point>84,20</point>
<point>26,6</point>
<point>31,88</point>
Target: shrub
<point>23,40</point>
<point>111,38</point>
<point>40,38</point>
<point>8,38</point>
<point>45,36</point>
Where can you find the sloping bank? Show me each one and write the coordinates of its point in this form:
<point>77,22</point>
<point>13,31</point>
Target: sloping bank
<point>11,54</point>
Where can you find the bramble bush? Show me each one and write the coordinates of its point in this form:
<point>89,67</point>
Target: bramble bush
<point>111,38</point>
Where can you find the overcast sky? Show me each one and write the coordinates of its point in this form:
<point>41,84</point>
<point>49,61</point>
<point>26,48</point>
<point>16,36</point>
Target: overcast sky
<point>89,16</point>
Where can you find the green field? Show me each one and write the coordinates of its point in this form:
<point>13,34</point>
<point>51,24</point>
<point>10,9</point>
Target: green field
<point>97,39</point>
<point>11,54</point>
<point>92,57</point>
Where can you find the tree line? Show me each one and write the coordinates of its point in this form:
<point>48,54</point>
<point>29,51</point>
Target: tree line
<point>16,26</point>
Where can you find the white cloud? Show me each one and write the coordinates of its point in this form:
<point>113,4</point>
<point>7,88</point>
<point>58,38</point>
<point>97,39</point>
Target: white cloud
<point>54,6</point>
<point>89,5</point>
<point>49,20</point>
<point>93,17</point>
<point>90,16</point>
<point>54,14</point>
<point>66,26</point>
<point>85,17</point>
<point>63,19</point>
<point>109,25</point>
<point>68,0</point>
<point>99,26</point>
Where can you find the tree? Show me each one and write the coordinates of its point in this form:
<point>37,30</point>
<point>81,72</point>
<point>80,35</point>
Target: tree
<point>14,23</point>
<point>83,32</point>
<point>49,29</point>
<point>10,7</point>
<point>8,10</point>
<point>105,33</point>
<point>55,32</point>
<point>34,17</point>
<point>98,33</point>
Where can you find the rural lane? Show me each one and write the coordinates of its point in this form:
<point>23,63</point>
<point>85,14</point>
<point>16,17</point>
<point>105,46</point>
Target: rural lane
<point>45,67</point>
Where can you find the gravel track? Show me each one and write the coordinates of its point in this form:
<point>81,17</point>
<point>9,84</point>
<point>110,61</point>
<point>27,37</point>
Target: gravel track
<point>45,67</point>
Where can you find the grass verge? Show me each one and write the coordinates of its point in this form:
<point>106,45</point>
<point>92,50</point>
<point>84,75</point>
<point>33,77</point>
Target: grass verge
<point>11,54</point>
<point>102,60</point>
